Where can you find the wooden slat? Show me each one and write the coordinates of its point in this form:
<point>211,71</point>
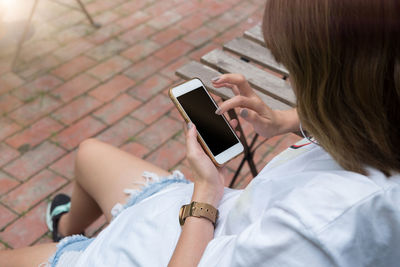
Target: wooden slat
<point>259,79</point>
<point>255,52</point>
<point>205,74</point>
<point>255,34</point>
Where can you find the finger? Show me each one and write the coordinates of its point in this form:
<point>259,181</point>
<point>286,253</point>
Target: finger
<point>248,115</point>
<point>238,133</point>
<point>236,79</point>
<point>241,102</point>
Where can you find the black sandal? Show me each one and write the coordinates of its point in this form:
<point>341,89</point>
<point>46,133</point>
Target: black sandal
<point>60,205</point>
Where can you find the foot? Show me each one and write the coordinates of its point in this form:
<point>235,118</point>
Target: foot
<point>60,205</point>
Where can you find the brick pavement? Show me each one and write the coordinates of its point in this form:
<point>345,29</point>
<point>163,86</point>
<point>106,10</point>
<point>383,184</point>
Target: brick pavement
<point>76,82</point>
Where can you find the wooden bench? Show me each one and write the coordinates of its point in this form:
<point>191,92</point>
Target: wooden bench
<point>248,56</point>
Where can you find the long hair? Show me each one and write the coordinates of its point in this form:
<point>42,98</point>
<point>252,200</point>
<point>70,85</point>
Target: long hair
<point>343,57</point>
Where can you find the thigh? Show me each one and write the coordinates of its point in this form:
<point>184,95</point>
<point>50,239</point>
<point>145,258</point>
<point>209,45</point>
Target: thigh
<point>29,256</point>
<point>105,171</point>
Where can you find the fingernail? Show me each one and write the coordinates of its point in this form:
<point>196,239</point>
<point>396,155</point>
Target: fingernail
<point>215,79</point>
<point>189,125</point>
<point>244,113</point>
<point>218,111</point>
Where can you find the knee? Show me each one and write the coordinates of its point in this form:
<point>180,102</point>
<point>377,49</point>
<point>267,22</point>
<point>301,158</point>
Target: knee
<point>86,151</point>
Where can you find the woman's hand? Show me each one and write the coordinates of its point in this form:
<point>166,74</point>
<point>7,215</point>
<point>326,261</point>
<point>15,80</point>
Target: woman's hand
<point>208,179</point>
<point>266,122</point>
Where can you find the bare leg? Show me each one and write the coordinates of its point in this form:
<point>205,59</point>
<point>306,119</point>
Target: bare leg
<point>29,256</point>
<point>102,172</point>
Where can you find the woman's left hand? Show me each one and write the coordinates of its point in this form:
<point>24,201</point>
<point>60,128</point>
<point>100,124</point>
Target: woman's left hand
<point>208,179</point>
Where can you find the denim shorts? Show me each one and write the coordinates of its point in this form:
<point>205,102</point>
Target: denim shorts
<point>71,248</point>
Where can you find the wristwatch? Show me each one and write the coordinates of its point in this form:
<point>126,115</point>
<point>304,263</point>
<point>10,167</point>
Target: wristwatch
<point>200,210</point>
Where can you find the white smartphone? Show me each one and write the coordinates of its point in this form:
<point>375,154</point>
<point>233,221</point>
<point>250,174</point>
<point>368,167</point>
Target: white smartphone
<point>215,134</point>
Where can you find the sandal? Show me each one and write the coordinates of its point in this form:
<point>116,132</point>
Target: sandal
<point>60,205</point>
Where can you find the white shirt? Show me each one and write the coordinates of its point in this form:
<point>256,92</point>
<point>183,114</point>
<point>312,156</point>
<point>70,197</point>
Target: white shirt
<point>301,210</point>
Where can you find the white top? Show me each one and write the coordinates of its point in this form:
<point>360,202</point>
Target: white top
<point>301,210</point>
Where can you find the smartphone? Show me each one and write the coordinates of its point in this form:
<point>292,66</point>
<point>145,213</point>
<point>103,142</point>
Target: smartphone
<point>214,133</point>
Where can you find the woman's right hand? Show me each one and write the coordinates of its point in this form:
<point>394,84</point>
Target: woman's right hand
<point>266,122</point>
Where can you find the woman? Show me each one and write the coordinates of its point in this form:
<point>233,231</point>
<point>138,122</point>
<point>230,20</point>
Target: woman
<point>330,202</point>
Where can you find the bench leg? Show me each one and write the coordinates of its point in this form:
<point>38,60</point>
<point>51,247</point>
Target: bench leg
<point>94,24</point>
<point>24,34</point>
<point>248,155</point>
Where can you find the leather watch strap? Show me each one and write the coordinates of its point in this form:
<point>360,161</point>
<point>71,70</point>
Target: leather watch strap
<point>197,209</point>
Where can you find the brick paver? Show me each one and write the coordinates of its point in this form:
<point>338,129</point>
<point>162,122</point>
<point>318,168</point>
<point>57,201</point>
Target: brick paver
<point>75,81</point>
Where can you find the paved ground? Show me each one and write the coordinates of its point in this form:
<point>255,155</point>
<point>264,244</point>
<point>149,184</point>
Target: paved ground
<point>76,82</point>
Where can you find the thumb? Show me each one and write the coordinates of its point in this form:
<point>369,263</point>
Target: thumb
<point>191,139</point>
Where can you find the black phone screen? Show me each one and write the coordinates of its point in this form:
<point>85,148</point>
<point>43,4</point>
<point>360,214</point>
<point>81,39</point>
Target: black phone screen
<point>212,127</point>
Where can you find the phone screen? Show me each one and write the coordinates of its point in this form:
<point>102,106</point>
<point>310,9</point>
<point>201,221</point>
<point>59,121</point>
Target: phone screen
<point>212,127</point>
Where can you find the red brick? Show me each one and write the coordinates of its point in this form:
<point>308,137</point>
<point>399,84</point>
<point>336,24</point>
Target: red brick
<point>42,84</point>
<point>118,108</point>
<point>137,34</point>
<point>144,68</point>
<point>9,81</point>
<point>121,131</point>
<point>131,7</point>
<point>152,110</point>
<point>7,154</point>
<point>168,155</point>
<point>35,133</point>
<point>74,32</point>
<point>187,8</point>
<point>34,160</point>
<point>76,133</point>
<point>135,149</point>
<point>216,8</point>
<point>6,216</point>
<point>33,191</point>
<point>26,230</point>
<point>112,88</point>
<point>196,55</point>
<point>133,20</point>
<point>158,8</point>
<point>40,66</point>
<point>173,51</point>
<point>194,21</point>
<point>43,240</point>
<point>34,110</point>
<point>104,33</point>
<point>77,86</point>
<point>168,35</point>
<point>109,68</point>
<point>100,5</point>
<point>159,132</point>
<point>8,102</point>
<point>174,113</point>
<point>66,165</point>
<point>7,127</point>
<point>77,109</point>
<point>73,49</point>
<point>166,19</point>
<point>106,17</point>
<point>150,87</point>
<point>169,71</point>
<point>74,67</point>
<point>6,183</point>
<point>200,36</point>
<point>140,50</point>
<point>5,66</point>
<point>107,49</point>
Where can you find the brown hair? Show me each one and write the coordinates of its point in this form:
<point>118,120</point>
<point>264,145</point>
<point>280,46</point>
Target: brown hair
<point>344,62</point>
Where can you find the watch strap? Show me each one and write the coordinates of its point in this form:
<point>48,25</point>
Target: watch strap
<point>200,210</point>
